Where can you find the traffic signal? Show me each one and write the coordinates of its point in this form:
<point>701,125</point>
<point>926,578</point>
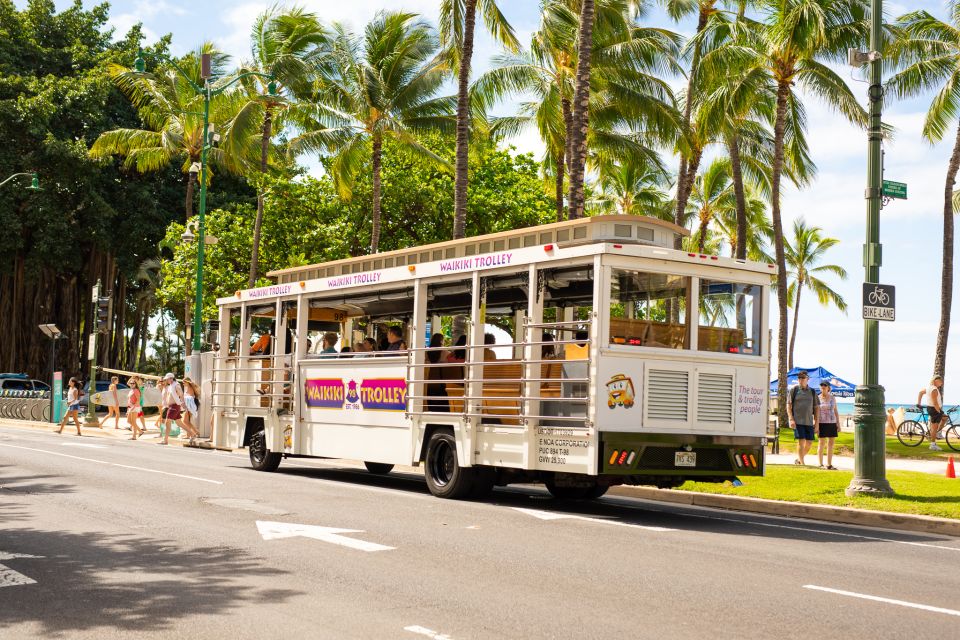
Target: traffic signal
<point>103,314</point>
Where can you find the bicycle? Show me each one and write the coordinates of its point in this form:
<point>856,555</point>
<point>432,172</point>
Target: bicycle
<point>912,433</point>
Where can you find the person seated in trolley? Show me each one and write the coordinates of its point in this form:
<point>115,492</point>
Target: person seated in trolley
<point>262,346</point>
<point>395,340</point>
<point>329,344</point>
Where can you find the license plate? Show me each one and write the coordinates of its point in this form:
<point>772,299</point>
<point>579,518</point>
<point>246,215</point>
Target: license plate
<point>685,459</point>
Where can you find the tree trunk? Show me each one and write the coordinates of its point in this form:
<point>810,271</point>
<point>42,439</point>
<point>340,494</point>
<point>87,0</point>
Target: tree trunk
<point>733,148</point>
<point>558,193</point>
<point>687,172</point>
<point>377,155</point>
<point>581,107</point>
<point>796,314</point>
<point>946,276</point>
<point>463,124</point>
<point>258,221</point>
<point>702,244</point>
<point>567,110</point>
<point>783,92</point>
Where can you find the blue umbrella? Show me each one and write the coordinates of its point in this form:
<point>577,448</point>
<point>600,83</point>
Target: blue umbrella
<point>840,387</point>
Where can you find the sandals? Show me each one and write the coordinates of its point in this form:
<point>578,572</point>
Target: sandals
<point>830,467</point>
<point>797,462</point>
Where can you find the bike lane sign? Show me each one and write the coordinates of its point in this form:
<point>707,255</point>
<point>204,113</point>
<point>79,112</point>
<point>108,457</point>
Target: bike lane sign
<point>878,302</point>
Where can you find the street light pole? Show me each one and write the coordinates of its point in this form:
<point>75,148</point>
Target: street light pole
<point>208,92</point>
<point>34,181</point>
<point>869,417</point>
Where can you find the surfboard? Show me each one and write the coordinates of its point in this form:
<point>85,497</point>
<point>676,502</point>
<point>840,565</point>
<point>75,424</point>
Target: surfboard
<point>151,397</point>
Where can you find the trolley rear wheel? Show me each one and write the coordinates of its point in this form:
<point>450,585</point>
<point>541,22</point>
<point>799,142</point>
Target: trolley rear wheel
<point>445,477</point>
<point>378,468</point>
<point>260,458</point>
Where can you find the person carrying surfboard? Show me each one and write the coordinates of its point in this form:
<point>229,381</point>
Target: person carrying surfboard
<point>113,406</point>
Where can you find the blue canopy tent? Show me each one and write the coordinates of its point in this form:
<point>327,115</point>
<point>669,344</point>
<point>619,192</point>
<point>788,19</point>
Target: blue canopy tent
<point>840,387</point>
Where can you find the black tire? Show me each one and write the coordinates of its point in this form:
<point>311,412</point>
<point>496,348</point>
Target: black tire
<point>953,437</point>
<point>260,458</point>
<point>378,468</point>
<point>483,482</point>
<point>596,492</point>
<point>910,433</point>
<point>566,493</point>
<point>445,477</point>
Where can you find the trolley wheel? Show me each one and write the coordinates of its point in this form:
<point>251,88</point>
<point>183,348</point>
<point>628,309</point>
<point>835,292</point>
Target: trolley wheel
<point>260,458</point>
<point>562,492</point>
<point>378,468</point>
<point>910,433</point>
<point>596,492</point>
<point>445,477</point>
<point>953,437</point>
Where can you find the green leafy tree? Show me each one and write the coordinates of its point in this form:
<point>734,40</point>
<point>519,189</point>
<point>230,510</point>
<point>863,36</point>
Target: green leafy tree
<point>804,257</point>
<point>632,186</point>
<point>381,87</point>
<point>712,197</point>
<point>457,23</point>
<point>927,50</point>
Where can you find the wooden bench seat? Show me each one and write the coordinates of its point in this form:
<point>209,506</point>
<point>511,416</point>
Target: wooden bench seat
<point>502,389</point>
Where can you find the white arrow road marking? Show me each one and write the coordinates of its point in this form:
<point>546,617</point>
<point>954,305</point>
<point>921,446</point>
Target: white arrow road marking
<point>551,515</point>
<point>11,578</point>
<point>430,633</point>
<point>280,530</point>
<point>901,603</point>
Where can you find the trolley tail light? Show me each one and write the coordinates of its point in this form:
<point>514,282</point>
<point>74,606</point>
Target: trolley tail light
<point>623,458</point>
<point>746,459</point>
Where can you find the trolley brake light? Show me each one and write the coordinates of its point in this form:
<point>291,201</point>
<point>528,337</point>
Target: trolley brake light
<point>746,460</point>
<point>623,458</point>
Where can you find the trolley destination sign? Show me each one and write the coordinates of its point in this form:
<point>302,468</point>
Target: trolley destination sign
<point>878,302</point>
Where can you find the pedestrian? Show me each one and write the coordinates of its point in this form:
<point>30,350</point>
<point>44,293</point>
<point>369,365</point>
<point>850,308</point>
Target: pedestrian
<point>173,403</point>
<point>829,420</point>
<point>161,409</point>
<point>802,410</point>
<point>113,410</point>
<point>932,399</point>
<point>74,392</point>
<point>134,410</point>
<point>191,416</point>
<point>437,386</point>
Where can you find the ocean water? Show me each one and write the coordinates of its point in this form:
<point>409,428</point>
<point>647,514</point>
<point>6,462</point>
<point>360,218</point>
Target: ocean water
<point>846,408</point>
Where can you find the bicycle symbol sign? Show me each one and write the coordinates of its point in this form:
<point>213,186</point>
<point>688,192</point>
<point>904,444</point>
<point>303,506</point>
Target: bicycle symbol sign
<point>878,302</point>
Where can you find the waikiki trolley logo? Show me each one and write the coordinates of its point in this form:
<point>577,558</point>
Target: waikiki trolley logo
<point>377,394</point>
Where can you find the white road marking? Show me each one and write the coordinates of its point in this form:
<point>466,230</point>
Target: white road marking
<point>113,464</point>
<point>551,515</point>
<point>280,530</point>
<point>430,633</point>
<point>11,578</point>
<point>900,603</point>
<point>82,444</point>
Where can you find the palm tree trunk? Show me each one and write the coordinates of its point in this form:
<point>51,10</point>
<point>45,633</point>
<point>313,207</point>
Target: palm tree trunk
<point>702,243</point>
<point>567,110</point>
<point>687,172</point>
<point>796,314</point>
<point>258,221</point>
<point>581,105</point>
<point>377,157</point>
<point>463,124</point>
<point>559,186</point>
<point>946,277</point>
<point>733,148</point>
<point>783,92</point>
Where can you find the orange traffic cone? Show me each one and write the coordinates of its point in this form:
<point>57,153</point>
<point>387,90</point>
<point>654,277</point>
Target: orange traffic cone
<point>951,472</point>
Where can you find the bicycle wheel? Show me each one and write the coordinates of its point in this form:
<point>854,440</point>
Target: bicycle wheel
<point>910,433</point>
<point>952,437</point>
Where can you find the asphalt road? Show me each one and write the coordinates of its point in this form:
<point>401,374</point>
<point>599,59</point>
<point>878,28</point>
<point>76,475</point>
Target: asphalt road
<point>102,538</point>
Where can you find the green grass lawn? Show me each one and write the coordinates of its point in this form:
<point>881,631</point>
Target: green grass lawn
<point>844,446</point>
<point>916,493</point>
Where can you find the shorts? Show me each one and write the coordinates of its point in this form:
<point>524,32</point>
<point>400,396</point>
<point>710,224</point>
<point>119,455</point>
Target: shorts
<point>829,430</point>
<point>804,432</point>
<point>74,407</point>
<point>173,412</point>
<point>191,403</point>
<point>935,416</point>
<point>134,411</point>
<point>163,413</point>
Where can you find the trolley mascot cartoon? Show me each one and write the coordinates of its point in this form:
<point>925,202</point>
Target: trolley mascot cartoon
<point>620,391</point>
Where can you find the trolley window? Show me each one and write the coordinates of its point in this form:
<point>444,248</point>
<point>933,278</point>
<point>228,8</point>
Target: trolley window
<point>729,317</point>
<point>649,309</point>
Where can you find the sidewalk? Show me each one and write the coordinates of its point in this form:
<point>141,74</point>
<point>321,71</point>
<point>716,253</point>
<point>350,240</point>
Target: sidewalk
<point>936,467</point>
<point>151,436</point>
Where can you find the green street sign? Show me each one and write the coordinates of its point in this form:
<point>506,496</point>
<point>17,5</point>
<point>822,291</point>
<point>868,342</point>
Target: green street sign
<point>893,189</point>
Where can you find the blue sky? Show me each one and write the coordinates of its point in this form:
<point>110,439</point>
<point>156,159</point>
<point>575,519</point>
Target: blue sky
<point>910,230</point>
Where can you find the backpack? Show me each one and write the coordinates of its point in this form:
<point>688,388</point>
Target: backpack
<point>793,393</point>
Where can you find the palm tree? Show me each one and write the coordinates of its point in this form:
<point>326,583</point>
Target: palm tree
<point>171,110</point>
<point>757,222</point>
<point>581,104</point>
<point>791,45</point>
<point>803,258</point>
<point>928,50</point>
<point>382,85</point>
<point>457,22</point>
<point>290,45</point>
<point>711,197</point>
<point>632,186</point>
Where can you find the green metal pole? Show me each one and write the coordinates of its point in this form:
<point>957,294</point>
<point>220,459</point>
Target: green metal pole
<point>870,473</point>
<point>202,227</point>
<point>90,420</point>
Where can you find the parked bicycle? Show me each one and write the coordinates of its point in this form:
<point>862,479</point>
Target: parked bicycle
<point>912,433</point>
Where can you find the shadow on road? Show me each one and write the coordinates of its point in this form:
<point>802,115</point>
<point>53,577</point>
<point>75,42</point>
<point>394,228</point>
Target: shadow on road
<point>16,488</point>
<point>126,583</point>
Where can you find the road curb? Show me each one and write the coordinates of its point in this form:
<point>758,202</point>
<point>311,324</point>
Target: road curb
<point>827,513</point>
<point>108,433</point>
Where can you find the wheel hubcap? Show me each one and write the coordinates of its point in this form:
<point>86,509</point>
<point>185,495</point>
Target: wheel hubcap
<point>443,464</point>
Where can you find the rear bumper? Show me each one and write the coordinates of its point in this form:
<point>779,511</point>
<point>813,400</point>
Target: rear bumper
<point>655,454</point>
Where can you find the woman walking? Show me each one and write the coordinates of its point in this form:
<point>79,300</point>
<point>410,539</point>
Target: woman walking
<point>829,419</point>
<point>191,417</point>
<point>113,410</point>
<point>134,410</point>
<point>73,405</point>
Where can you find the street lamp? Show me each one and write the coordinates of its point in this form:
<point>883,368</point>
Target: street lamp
<point>34,181</point>
<point>209,138</point>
